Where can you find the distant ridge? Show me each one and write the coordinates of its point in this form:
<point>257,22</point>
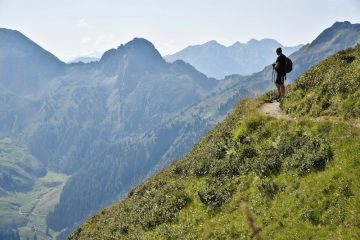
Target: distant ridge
<point>217,60</point>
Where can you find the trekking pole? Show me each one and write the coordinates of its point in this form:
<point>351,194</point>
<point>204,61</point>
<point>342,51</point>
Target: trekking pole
<point>273,82</point>
<point>253,230</point>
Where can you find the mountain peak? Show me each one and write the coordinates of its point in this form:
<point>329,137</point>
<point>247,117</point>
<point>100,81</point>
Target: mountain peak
<point>137,48</point>
<point>139,42</point>
<point>236,44</point>
<point>13,40</point>
<point>341,24</point>
<point>35,67</point>
<point>268,41</point>
<point>212,43</point>
<point>252,40</point>
<point>7,30</point>
<point>13,33</point>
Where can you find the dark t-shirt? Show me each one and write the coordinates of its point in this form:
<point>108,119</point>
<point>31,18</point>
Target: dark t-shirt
<point>281,60</point>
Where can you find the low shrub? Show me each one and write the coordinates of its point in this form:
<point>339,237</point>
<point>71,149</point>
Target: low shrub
<point>216,192</point>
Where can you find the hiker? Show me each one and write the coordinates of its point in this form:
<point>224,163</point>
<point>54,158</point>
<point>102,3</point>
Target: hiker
<point>280,68</point>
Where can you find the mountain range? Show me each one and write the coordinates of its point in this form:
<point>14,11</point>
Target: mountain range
<point>92,131</point>
<point>217,60</point>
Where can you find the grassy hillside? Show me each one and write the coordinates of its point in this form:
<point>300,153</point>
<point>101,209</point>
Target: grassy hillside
<point>328,89</point>
<point>299,176</point>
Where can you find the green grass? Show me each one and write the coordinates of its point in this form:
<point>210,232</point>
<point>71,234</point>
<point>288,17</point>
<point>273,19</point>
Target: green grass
<point>291,199</point>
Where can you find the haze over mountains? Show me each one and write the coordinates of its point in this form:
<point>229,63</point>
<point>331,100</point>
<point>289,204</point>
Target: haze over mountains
<point>87,58</point>
<point>217,60</point>
<point>77,113</point>
<point>100,128</point>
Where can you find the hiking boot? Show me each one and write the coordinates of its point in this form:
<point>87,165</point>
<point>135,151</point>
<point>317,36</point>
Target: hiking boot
<point>276,98</point>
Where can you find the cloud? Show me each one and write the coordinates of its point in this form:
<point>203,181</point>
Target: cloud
<point>105,39</point>
<point>83,24</point>
<point>85,40</point>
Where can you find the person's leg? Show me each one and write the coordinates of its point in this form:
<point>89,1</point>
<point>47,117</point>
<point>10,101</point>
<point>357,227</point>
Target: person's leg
<point>282,86</point>
<point>282,90</point>
<point>278,86</point>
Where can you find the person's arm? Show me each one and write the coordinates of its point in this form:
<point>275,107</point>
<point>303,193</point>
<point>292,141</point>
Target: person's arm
<point>276,65</point>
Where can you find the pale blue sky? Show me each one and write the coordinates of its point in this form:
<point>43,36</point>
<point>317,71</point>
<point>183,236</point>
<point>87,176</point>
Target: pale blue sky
<point>69,28</point>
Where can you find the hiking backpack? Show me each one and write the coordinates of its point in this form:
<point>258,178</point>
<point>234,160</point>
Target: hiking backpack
<point>288,65</point>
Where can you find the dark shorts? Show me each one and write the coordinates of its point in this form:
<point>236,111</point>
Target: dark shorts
<point>280,78</point>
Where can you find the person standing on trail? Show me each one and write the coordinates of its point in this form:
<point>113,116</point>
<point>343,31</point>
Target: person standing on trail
<point>280,68</point>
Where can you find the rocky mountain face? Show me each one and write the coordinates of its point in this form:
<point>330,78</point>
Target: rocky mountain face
<point>218,61</point>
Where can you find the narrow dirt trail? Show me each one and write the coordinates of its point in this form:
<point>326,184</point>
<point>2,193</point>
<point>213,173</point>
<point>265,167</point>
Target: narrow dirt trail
<point>274,110</point>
